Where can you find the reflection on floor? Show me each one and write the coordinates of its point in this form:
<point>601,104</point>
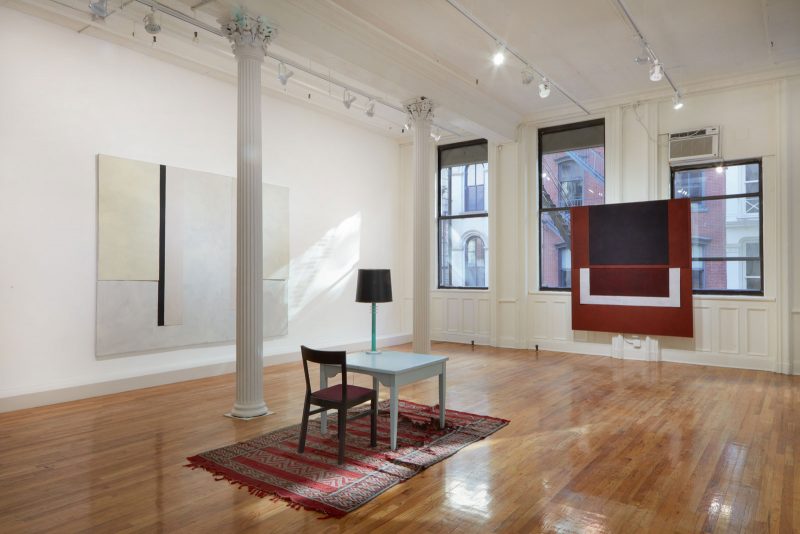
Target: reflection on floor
<point>594,445</point>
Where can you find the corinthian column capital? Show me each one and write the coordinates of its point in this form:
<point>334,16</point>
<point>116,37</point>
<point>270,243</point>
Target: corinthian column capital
<point>420,109</point>
<point>248,34</point>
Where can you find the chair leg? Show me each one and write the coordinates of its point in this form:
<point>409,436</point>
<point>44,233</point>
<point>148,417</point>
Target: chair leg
<point>373,431</point>
<point>304,427</point>
<point>342,433</point>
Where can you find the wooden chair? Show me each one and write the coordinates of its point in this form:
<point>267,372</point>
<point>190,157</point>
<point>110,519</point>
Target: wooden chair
<point>339,397</point>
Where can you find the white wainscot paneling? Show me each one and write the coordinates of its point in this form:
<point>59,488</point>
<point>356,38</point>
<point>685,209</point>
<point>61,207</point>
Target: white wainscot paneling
<point>453,315</point>
<point>538,319</point>
<point>507,323</point>
<point>756,331</point>
<point>560,313</point>
<point>702,328</point>
<point>461,316</point>
<point>468,316</point>
<point>729,330</point>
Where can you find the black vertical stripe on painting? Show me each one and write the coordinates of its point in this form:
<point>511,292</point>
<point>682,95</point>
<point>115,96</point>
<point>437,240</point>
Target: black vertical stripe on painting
<point>162,242</point>
<point>635,233</point>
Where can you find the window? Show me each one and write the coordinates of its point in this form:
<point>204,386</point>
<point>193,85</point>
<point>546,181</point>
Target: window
<point>475,262</point>
<point>726,225</point>
<point>571,173</point>
<point>698,267</point>
<point>565,267</point>
<point>463,215</point>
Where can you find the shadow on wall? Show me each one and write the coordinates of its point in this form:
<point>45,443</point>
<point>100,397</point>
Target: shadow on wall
<point>324,268</point>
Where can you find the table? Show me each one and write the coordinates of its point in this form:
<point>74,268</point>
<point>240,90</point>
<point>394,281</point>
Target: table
<point>392,369</point>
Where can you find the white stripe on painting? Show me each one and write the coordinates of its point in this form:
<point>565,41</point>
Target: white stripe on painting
<point>672,301</point>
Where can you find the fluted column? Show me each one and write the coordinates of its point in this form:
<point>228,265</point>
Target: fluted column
<point>420,113</point>
<point>249,37</point>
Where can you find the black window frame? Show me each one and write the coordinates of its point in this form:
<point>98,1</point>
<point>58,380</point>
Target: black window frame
<point>540,184</point>
<point>702,200</point>
<point>466,215</point>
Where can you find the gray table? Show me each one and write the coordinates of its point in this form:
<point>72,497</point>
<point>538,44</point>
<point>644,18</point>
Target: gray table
<point>392,369</point>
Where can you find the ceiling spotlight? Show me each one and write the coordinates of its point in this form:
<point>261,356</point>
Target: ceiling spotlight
<point>151,25</point>
<point>436,134</point>
<point>99,8</point>
<point>527,76</point>
<point>720,169</point>
<point>499,56</point>
<point>656,71</point>
<point>370,111</point>
<point>284,74</point>
<point>677,101</point>
<point>544,88</point>
<point>348,99</point>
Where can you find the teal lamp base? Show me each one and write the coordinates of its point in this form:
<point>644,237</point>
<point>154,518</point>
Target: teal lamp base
<point>374,337</point>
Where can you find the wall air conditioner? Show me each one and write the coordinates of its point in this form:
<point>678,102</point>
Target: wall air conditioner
<point>694,146</point>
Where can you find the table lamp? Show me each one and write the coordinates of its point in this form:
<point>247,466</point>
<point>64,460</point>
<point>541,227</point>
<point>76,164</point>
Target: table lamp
<point>373,286</point>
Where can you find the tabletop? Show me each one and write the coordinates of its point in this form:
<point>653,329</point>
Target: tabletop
<point>391,362</point>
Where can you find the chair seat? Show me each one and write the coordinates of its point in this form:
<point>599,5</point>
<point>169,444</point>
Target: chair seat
<point>334,394</point>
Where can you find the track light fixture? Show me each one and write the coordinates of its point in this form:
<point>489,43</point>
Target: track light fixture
<point>656,71</point>
<point>370,111</point>
<point>151,24</point>
<point>677,101</point>
<point>284,73</point>
<point>528,76</point>
<point>544,88</point>
<point>99,8</point>
<point>499,56</point>
<point>644,56</point>
<point>348,99</point>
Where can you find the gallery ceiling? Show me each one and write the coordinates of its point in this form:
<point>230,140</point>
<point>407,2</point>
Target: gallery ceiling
<point>396,50</point>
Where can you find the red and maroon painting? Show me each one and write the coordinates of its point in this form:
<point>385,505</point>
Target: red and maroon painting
<point>632,268</point>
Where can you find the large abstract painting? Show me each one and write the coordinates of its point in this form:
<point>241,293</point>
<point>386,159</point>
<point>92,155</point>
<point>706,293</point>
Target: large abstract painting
<point>632,268</point>
<point>167,257</point>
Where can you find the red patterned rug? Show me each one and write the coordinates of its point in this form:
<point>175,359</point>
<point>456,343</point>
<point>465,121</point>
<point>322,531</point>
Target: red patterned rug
<point>270,465</point>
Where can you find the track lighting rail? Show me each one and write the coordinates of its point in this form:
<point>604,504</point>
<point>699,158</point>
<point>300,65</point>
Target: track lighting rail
<point>458,7</point>
<point>280,59</point>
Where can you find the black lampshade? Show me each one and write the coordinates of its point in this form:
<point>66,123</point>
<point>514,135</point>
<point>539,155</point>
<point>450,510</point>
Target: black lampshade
<point>374,285</point>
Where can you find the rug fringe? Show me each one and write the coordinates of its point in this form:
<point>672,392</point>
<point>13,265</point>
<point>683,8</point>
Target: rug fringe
<point>275,495</point>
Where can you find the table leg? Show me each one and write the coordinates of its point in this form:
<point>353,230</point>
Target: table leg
<point>323,383</point>
<point>393,408</point>
<point>376,384</point>
<point>442,394</point>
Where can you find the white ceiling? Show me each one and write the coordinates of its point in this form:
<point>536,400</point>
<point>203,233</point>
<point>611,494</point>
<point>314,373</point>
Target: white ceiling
<point>400,49</point>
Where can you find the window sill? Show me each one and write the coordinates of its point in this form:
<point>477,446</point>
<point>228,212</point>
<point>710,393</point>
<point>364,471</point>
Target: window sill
<point>742,298</point>
<point>463,289</point>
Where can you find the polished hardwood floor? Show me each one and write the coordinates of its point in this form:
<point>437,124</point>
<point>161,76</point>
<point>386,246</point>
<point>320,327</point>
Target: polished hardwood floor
<point>594,445</point>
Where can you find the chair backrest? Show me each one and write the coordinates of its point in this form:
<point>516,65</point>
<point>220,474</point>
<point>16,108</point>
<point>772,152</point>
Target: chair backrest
<point>325,357</point>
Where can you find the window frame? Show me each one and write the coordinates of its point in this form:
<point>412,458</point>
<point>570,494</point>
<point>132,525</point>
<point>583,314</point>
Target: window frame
<point>466,215</point>
<point>540,185</point>
<point>760,196</point>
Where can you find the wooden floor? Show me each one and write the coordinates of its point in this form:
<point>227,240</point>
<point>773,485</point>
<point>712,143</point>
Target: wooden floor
<point>594,445</point>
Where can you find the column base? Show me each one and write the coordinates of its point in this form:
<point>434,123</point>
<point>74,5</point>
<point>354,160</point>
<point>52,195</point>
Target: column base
<point>248,412</point>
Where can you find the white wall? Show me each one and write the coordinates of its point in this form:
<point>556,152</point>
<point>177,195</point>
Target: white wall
<point>757,121</point>
<point>64,98</point>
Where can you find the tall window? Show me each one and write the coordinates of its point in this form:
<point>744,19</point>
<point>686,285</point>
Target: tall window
<point>571,173</point>
<point>475,262</point>
<point>463,215</point>
<point>726,225</point>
